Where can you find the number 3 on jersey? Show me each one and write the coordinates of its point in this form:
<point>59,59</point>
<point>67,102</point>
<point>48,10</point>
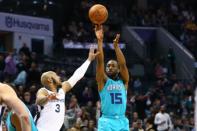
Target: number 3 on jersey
<point>57,108</point>
<point>116,98</point>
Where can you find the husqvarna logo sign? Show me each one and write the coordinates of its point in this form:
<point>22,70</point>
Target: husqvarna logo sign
<point>26,24</point>
<point>14,22</point>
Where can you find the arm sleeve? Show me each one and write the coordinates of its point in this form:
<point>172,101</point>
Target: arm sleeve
<point>79,73</point>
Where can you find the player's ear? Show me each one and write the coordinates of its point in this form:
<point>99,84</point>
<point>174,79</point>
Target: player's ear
<point>50,80</point>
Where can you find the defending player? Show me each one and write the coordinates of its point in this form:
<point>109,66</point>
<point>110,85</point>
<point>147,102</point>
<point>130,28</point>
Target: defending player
<point>52,96</point>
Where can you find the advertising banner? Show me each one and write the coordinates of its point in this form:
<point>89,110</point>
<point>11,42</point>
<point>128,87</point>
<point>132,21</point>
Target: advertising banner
<point>26,24</point>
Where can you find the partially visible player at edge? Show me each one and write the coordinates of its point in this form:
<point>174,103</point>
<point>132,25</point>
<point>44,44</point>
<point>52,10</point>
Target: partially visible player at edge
<point>112,87</point>
<point>51,98</point>
<point>9,98</point>
<point>13,122</point>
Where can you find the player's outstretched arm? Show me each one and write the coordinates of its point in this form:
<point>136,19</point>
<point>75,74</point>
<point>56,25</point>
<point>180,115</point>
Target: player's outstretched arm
<point>121,61</point>
<point>101,77</point>
<point>80,72</point>
<point>10,98</point>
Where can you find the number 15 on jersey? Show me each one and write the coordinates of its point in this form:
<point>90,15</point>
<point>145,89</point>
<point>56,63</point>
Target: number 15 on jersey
<point>116,98</point>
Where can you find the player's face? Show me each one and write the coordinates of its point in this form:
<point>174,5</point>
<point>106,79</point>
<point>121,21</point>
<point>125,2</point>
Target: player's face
<point>112,68</point>
<point>56,79</point>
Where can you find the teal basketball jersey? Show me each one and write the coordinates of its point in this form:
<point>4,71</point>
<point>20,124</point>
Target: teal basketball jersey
<point>113,98</point>
<point>10,127</point>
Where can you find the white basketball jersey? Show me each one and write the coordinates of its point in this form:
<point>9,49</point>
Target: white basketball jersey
<point>52,115</point>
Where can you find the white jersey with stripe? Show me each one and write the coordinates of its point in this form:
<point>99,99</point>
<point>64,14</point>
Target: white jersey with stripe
<point>52,114</point>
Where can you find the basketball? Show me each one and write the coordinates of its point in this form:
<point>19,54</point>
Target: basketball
<point>98,14</point>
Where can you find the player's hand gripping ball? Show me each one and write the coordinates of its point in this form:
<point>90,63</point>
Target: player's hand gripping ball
<point>98,14</point>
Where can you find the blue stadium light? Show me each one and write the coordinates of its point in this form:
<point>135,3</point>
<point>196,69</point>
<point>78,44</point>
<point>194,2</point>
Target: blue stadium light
<point>18,3</point>
<point>50,2</point>
<point>35,2</point>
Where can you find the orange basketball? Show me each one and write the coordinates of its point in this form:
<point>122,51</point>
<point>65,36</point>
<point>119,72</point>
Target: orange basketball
<point>98,14</point>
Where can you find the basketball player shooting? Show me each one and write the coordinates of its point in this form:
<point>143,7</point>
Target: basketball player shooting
<point>9,98</point>
<point>51,98</point>
<point>112,87</point>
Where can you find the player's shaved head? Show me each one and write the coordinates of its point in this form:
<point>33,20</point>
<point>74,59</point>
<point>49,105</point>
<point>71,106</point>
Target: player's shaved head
<point>45,76</point>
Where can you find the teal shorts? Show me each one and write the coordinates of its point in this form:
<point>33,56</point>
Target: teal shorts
<point>114,123</point>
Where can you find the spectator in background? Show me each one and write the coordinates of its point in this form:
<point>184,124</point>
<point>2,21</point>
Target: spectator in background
<point>10,67</point>
<point>70,118</point>
<point>76,127</point>
<point>33,74</point>
<point>71,113</point>
<point>26,60</point>
<point>149,125</point>
<point>134,117</point>
<point>176,94</point>
<point>20,91</point>
<point>134,127</point>
<point>83,117</point>
<point>27,99</point>
<point>2,66</point>
<point>177,124</point>
<point>91,125</point>
<point>137,85</point>
<point>34,57</point>
<point>159,71</point>
<point>33,90</point>
<point>16,56</point>
<point>90,108</point>
<point>87,94</point>
<point>140,102</point>
<point>139,125</point>
<point>24,50</point>
<point>163,120</point>
<point>21,77</point>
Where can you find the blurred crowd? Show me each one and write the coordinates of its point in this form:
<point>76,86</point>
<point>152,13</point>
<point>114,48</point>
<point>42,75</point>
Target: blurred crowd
<point>146,95</point>
<point>80,29</point>
<point>177,16</point>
